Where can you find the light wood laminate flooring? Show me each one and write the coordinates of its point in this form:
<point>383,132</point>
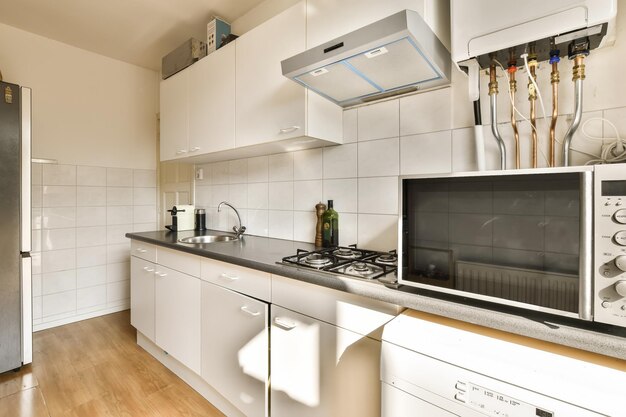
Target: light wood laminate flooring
<point>95,368</point>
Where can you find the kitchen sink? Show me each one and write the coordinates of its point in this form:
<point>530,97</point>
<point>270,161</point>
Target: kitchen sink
<point>201,240</point>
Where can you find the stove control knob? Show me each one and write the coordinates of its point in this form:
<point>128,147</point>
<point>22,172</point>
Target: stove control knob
<point>620,216</point>
<point>620,288</point>
<point>620,238</point>
<point>620,262</point>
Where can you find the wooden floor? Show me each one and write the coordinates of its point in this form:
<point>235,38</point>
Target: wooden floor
<point>94,368</point>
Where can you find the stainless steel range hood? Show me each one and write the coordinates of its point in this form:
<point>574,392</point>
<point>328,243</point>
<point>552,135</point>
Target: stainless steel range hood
<point>395,55</point>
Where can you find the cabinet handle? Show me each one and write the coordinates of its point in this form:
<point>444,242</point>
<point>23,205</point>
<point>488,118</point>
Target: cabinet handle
<point>229,277</point>
<point>182,151</point>
<point>140,250</point>
<point>145,268</point>
<point>246,310</point>
<point>289,129</point>
<point>160,274</point>
<point>196,149</point>
<point>283,324</point>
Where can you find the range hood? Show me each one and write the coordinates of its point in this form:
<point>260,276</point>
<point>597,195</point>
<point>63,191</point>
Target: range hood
<point>392,56</point>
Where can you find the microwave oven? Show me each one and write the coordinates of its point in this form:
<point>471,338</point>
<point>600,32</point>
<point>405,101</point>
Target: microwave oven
<point>551,240</point>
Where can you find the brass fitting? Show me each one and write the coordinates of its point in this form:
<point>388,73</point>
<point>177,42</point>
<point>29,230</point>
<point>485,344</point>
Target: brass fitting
<point>493,82</point>
<point>578,72</point>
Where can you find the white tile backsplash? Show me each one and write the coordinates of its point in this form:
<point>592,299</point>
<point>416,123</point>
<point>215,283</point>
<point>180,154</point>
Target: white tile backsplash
<point>306,194</point>
<point>55,239</point>
<point>219,173</point>
<point>280,224</point>
<point>422,113</point>
<point>378,121</point>
<point>377,231</point>
<point>343,192</point>
<point>238,195</point>
<point>91,176</point>
<point>307,164</point>
<point>119,177</point>
<point>91,196</point>
<point>304,226</point>
<point>281,195</point>
<point>79,236</point>
<point>91,276</point>
<point>119,196</point>
<point>340,161</point>
<point>258,169</point>
<point>238,171</point>
<point>378,195</point>
<point>281,167</point>
<point>258,194</point>
<point>59,196</point>
<point>426,154</point>
<point>350,126</point>
<point>144,178</point>
<point>379,158</point>
<point>59,174</point>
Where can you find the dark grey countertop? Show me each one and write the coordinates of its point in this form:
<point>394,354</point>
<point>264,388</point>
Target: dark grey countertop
<point>263,254</point>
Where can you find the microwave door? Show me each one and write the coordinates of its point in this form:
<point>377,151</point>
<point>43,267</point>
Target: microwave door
<point>585,306</point>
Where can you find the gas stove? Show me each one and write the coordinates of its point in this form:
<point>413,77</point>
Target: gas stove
<point>347,261</point>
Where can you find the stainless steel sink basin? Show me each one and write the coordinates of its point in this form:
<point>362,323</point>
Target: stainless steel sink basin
<point>201,240</point>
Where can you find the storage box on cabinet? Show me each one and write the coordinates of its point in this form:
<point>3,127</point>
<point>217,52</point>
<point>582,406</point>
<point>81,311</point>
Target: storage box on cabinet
<point>179,261</point>
<point>248,281</point>
<point>143,250</point>
<point>235,343</point>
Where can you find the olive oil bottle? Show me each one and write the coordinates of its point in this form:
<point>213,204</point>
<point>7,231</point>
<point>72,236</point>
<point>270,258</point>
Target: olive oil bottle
<point>330,227</point>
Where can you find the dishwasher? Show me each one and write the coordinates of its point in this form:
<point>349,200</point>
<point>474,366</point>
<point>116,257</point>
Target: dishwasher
<point>430,369</point>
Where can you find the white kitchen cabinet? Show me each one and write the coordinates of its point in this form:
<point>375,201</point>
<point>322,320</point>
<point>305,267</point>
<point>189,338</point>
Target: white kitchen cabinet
<point>330,19</point>
<point>177,316</point>
<point>235,343</point>
<point>174,115</point>
<point>269,106</point>
<point>142,296</point>
<point>198,107</point>
<point>212,102</point>
<point>320,370</point>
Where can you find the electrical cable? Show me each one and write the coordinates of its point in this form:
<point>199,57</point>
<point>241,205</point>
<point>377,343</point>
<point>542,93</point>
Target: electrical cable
<point>613,152</point>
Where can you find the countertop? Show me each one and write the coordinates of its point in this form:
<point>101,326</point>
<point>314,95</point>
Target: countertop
<point>264,254</point>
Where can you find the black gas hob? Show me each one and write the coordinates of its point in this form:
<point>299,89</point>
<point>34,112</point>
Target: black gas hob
<point>346,261</point>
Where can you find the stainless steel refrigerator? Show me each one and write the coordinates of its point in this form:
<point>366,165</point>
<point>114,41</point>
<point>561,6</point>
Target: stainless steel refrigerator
<point>15,233</point>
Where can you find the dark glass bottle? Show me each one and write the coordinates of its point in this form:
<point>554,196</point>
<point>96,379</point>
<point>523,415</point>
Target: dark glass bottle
<point>330,227</point>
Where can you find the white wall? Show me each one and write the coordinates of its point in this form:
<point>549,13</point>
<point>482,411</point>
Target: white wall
<point>97,117</point>
<point>87,109</point>
<point>424,133</point>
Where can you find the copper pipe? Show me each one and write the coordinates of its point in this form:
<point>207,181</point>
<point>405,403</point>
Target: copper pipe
<point>554,79</point>
<point>532,97</point>
<point>579,75</point>
<point>493,104</point>
<point>513,85</point>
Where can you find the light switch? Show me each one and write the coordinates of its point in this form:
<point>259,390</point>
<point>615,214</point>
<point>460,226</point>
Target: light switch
<point>200,174</point>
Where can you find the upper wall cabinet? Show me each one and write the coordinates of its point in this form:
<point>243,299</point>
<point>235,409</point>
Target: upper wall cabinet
<point>329,19</point>
<point>270,107</point>
<point>236,103</point>
<point>198,107</point>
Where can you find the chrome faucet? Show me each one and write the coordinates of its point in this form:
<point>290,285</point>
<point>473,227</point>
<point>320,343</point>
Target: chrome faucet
<point>238,230</point>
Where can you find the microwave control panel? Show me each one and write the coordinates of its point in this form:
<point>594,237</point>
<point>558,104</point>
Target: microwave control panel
<point>610,244</point>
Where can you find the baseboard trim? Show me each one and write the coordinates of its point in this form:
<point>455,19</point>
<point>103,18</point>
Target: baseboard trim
<point>191,378</point>
<point>80,317</point>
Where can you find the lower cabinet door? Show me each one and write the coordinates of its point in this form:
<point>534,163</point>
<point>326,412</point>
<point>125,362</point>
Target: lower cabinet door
<point>320,370</point>
<point>142,296</point>
<point>177,309</point>
<point>235,348</point>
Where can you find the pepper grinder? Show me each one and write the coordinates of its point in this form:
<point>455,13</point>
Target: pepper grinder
<point>320,208</point>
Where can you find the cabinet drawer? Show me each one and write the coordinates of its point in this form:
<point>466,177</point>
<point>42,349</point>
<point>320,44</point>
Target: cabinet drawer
<point>353,312</point>
<point>179,261</point>
<point>237,278</point>
<point>143,250</point>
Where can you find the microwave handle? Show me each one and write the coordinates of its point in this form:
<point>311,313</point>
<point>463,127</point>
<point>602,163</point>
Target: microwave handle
<point>585,306</point>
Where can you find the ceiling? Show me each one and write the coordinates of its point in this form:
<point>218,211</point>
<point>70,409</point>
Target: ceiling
<point>136,31</point>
